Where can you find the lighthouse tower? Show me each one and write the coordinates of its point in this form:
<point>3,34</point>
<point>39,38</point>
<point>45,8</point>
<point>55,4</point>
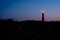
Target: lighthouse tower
<point>42,16</point>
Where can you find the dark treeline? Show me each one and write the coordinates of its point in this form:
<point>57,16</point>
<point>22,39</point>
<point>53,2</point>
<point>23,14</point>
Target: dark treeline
<point>29,30</point>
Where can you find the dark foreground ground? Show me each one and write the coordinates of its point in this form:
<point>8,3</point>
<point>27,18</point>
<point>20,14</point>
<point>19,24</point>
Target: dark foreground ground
<point>29,30</point>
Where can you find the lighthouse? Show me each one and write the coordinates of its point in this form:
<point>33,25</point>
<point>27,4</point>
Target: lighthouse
<point>42,16</point>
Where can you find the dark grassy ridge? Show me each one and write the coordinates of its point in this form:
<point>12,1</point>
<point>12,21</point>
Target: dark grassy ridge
<point>29,30</point>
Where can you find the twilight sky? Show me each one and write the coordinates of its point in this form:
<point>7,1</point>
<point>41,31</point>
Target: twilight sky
<point>30,9</point>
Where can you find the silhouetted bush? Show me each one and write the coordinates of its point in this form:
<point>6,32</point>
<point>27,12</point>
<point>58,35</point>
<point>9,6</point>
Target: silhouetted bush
<point>29,29</point>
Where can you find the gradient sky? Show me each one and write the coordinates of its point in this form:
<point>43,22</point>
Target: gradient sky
<point>30,9</point>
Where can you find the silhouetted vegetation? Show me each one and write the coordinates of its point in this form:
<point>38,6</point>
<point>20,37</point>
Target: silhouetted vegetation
<point>29,30</point>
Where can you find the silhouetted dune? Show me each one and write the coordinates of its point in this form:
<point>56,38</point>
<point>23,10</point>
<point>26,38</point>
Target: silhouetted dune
<point>29,30</point>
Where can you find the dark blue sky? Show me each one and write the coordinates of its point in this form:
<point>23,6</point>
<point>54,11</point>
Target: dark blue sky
<point>30,9</point>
